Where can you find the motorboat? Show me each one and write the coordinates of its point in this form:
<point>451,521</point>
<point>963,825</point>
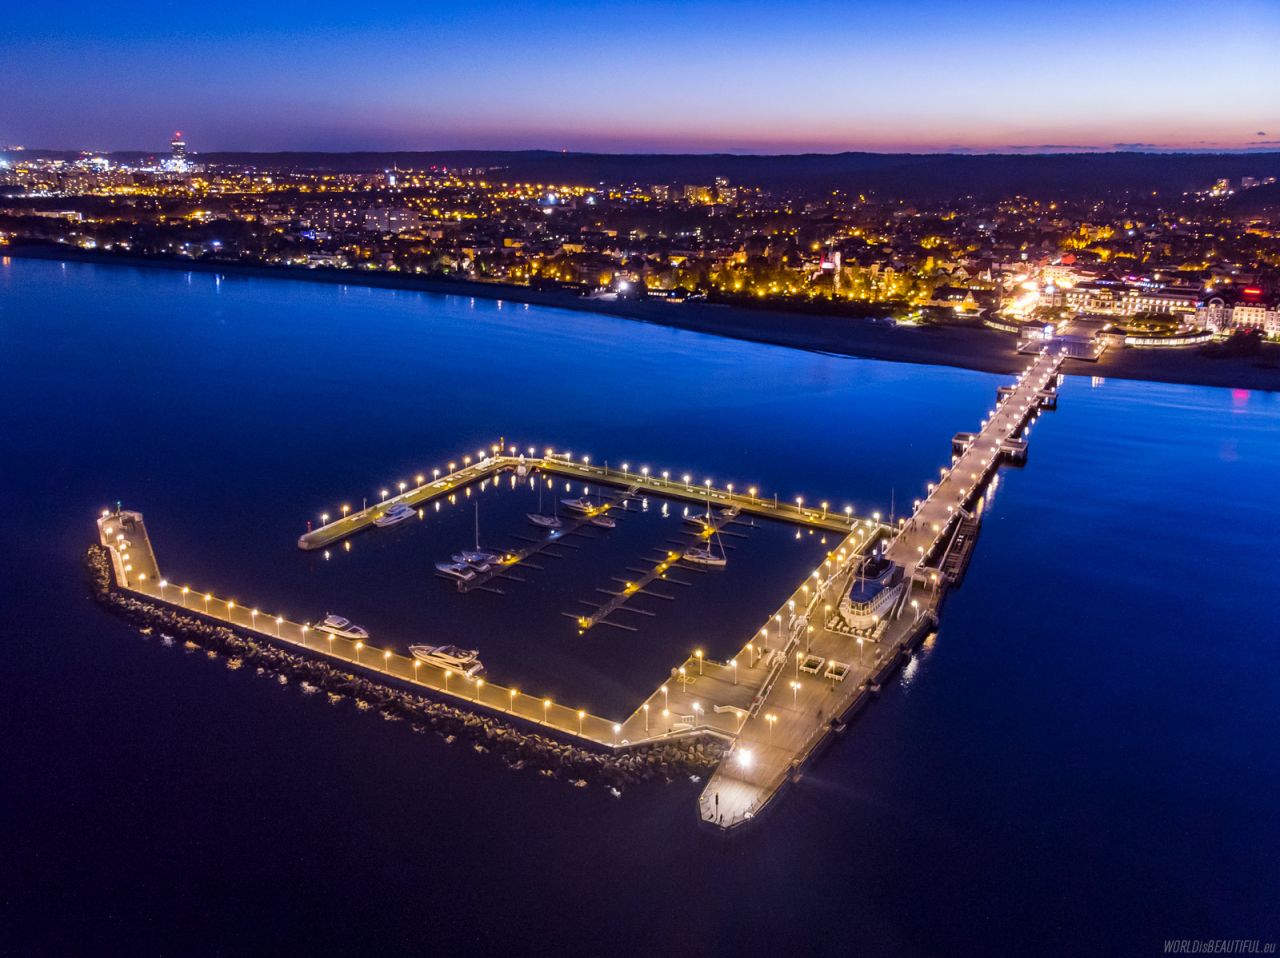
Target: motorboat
<point>457,570</point>
<point>604,522</point>
<point>477,556</point>
<point>700,520</point>
<point>461,559</point>
<point>581,504</point>
<point>546,522</point>
<point>397,513</point>
<point>342,627</point>
<point>465,661</point>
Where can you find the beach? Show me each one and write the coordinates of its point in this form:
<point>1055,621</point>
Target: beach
<point>966,347</point>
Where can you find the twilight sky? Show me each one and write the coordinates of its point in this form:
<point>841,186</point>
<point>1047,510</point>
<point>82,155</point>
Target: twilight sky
<point>666,75</point>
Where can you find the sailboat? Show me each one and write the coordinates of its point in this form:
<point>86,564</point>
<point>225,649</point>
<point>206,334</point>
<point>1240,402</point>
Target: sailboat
<point>478,557</point>
<point>706,555</point>
<point>539,518</point>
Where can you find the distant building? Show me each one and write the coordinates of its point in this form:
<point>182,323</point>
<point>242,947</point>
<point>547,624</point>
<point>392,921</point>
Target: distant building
<point>698,194</point>
<point>178,162</point>
<point>391,220</point>
<point>1246,308</point>
<point>1113,297</point>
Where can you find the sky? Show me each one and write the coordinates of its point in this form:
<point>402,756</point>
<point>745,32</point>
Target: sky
<point>661,76</point>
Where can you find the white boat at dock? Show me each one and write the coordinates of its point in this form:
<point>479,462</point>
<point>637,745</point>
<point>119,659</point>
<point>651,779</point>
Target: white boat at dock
<point>546,522</point>
<point>582,504</point>
<point>457,570</point>
<point>604,522</point>
<point>397,513</point>
<point>478,564</point>
<point>465,661</point>
<point>341,627</point>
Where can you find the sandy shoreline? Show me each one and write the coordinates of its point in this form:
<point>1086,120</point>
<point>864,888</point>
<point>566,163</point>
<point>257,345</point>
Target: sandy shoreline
<point>980,349</point>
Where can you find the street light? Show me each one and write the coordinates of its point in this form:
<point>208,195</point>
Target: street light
<point>616,729</point>
<point>359,646</point>
<point>511,700</point>
<point>386,661</point>
<point>479,686</point>
<point>771,718</point>
<point>546,704</point>
<point>697,654</point>
<point>207,597</point>
<point>795,694</point>
<point>305,630</point>
<point>581,715</point>
<point>279,622</point>
<point>448,673</point>
<point>734,663</point>
<point>646,716</point>
<point>666,700</point>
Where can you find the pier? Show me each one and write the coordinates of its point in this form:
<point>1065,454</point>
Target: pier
<point>822,655</point>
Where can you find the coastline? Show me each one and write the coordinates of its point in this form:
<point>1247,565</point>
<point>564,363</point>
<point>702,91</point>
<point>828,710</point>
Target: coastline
<point>979,349</point>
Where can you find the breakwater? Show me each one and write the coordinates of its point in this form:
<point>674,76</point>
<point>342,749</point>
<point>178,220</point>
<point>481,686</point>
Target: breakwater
<point>514,746</point>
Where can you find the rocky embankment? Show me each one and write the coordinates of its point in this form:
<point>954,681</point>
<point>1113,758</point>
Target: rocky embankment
<point>517,747</point>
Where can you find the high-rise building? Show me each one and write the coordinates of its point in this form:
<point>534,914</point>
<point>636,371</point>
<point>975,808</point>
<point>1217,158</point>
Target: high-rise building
<point>178,153</point>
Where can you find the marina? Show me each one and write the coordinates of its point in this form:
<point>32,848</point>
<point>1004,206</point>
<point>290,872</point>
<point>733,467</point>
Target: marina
<point>830,645</point>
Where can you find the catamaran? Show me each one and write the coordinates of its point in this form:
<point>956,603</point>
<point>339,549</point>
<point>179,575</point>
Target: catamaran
<point>342,627</point>
<point>397,513</point>
<point>466,661</point>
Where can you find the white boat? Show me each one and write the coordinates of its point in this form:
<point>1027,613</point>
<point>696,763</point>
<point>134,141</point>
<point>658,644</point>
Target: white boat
<point>702,556</point>
<point>466,661</point>
<point>340,626</point>
<point>397,513</point>
<point>582,504</point>
<point>604,522</point>
<point>699,520</point>
<point>539,518</point>
<point>477,564</point>
<point>477,557</point>
<point>458,570</point>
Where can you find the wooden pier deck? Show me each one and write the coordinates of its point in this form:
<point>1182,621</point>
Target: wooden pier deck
<point>790,684</point>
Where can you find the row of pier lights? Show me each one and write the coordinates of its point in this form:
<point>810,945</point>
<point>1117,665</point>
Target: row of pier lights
<point>664,476</point>
<point>939,529</point>
<point>202,601</point>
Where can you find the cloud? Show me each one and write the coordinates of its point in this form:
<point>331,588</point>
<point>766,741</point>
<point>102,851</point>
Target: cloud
<point>1137,146</point>
<point>1261,133</point>
<point>1075,147</point>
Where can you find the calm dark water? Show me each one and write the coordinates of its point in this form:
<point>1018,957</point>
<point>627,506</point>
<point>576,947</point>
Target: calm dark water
<point>1084,761</point>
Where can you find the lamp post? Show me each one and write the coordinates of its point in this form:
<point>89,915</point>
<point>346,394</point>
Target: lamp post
<point>666,699</point>
<point>359,646</point>
<point>512,695</point>
<point>386,661</point>
<point>616,729</point>
<point>546,704</point>
<point>859,650</point>
<point>305,630</point>
<point>734,663</point>
<point>448,673</point>
<point>207,597</point>
<point>771,718</point>
<point>646,716</point>
<point>795,695</point>
<point>185,590</point>
<point>697,654</point>
<point>581,715</point>
<point>417,664</point>
<point>253,619</point>
<point>279,622</point>
<point>479,686</point>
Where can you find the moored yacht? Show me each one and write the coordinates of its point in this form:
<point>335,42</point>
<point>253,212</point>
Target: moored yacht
<point>457,570</point>
<point>466,661</point>
<point>546,522</point>
<point>581,504</point>
<point>705,556</point>
<point>478,564</point>
<point>397,513</point>
<point>341,626</point>
<point>604,522</point>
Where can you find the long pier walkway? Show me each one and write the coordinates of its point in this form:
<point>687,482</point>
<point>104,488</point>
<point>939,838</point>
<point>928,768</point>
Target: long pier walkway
<point>836,671</point>
<point>791,683</point>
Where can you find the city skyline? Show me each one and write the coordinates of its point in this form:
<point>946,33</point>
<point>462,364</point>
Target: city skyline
<point>700,77</point>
